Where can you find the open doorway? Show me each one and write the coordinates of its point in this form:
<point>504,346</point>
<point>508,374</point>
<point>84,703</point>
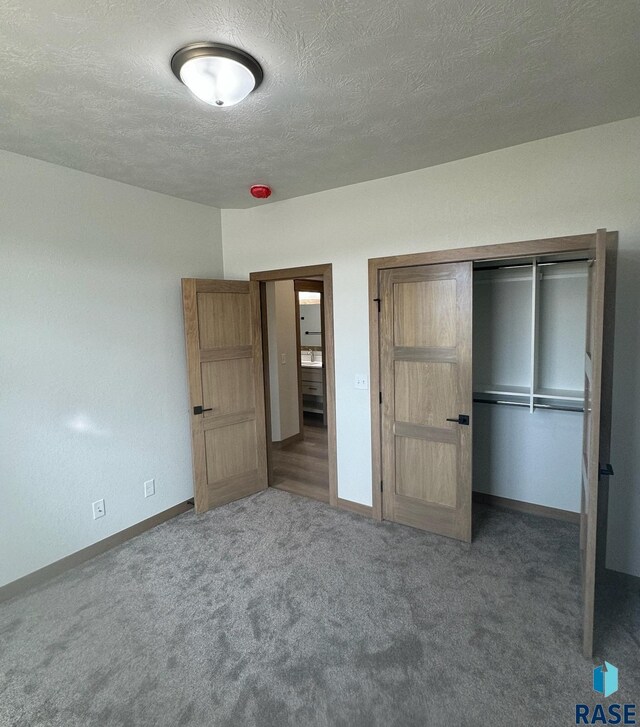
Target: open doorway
<point>297,334</point>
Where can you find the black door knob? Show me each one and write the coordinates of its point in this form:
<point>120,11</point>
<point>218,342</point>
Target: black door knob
<point>460,419</point>
<point>199,410</point>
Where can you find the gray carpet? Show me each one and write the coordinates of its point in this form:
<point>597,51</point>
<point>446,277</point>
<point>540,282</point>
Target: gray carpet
<point>278,610</point>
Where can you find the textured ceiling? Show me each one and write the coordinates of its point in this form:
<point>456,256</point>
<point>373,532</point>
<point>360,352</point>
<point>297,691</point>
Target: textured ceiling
<point>353,90</point>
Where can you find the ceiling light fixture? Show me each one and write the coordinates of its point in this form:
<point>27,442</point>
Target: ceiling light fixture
<point>217,74</point>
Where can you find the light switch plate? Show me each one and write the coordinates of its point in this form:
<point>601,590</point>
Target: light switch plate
<point>149,488</point>
<point>362,381</point>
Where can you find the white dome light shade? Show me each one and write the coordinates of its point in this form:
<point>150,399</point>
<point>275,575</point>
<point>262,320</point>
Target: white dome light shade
<point>218,75</point>
<point>217,81</point>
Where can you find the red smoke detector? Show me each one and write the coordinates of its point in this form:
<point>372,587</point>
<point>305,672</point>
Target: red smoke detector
<point>260,191</point>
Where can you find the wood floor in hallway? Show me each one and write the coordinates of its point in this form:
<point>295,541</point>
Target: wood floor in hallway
<point>303,467</point>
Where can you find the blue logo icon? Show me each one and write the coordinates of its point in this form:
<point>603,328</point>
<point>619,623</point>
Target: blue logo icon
<point>605,679</point>
<point>605,682</point>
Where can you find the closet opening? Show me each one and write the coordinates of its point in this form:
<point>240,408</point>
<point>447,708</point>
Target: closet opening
<point>529,338</point>
<point>297,339</point>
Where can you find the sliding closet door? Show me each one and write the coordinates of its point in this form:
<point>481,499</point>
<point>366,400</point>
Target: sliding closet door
<point>224,360</point>
<point>426,386</point>
<point>597,422</point>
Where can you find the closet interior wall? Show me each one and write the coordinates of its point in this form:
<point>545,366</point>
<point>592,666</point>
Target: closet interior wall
<point>529,342</point>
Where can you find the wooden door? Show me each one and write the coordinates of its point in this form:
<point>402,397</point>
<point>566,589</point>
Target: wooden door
<point>597,423</point>
<point>226,388</point>
<point>426,381</point>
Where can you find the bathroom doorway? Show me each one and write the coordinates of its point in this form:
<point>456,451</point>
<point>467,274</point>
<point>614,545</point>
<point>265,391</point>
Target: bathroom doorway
<point>297,335</point>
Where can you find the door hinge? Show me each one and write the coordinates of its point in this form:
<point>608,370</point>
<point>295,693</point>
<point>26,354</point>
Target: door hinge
<point>381,486</point>
<point>380,396</point>
<point>377,300</point>
<point>605,470</point>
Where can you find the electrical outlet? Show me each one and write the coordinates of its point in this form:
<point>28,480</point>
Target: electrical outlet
<point>361,381</point>
<point>149,488</point>
<point>283,358</point>
<point>98,509</point>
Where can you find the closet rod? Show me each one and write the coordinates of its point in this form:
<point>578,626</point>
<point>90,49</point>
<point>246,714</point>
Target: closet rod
<point>528,265</point>
<point>502,402</point>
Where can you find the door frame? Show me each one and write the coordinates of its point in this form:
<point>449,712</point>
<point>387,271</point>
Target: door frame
<point>325,271</point>
<point>525,248</point>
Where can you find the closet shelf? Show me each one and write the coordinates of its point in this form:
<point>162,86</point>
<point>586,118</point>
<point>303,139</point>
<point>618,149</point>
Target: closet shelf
<point>499,390</point>
<point>506,402</point>
<point>559,394</point>
<point>541,393</point>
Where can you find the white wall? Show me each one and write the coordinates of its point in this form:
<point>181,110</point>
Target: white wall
<point>283,375</point>
<point>531,457</point>
<point>93,397</point>
<point>568,184</point>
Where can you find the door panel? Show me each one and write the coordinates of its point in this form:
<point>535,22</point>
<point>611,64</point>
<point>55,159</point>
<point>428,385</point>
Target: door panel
<point>597,423</point>
<point>224,359</point>
<point>224,319</point>
<point>231,450</point>
<point>425,363</point>
<point>413,320</point>
<point>426,469</point>
<point>224,387</point>
<point>429,405</point>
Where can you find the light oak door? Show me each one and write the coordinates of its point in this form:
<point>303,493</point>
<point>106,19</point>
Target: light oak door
<point>427,397</point>
<point>224,359</point>
<point>597,423</point>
